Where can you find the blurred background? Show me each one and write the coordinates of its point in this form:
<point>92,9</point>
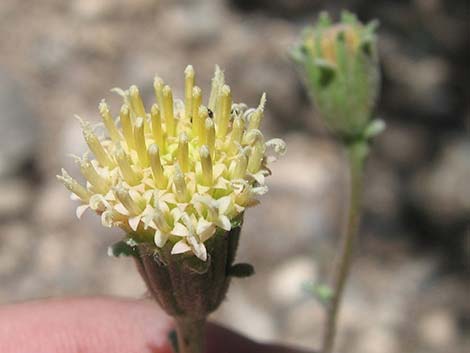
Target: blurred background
<point>409,290</point>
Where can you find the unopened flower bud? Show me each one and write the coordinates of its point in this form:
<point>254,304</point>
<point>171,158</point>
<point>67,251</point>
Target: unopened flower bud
<point>340,65</point>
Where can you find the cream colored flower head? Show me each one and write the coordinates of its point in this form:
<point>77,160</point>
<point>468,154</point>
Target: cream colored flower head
<point>178,171</point>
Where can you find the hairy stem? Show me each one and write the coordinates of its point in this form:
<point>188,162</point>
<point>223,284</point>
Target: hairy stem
<point>356,154</point>
<point>190,334</point>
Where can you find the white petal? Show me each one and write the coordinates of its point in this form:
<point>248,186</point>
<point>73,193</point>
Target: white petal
<point>202,199</point>
<point>180,230</point>
<point>202,189</point>
<point>74,197</point>
<point>260,190</point>
<point>134,222</point>
<point>199,249</point>
<point>168,197</point>
<point>137,190</point>
<point>224,204</point>
<point>221,183</point>
<point>148,196</point>
<point>147,219</point>
<point>163,207</point>
<point>160,238</point>
<point>135,195</point>
<point>259,177</point>
<point>205,229</point>
<point>81,210</point>
<point>180,247</point>
<point>219,168</point>
<point>149,210</point>
<point>110,195</point>
<point>224,223</point>
<point>121,209</point>
<point>176,214</point>
<point>182,206</point>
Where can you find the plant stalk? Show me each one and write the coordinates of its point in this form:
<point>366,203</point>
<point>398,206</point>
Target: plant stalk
<point>357,153</point>
<point>190,335</point>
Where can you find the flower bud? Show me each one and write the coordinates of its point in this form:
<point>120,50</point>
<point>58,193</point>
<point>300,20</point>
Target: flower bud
<point>340,65</point>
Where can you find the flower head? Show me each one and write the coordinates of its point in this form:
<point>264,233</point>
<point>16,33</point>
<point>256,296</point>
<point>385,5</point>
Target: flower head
<point>340,64</point>
<point>179,171</point>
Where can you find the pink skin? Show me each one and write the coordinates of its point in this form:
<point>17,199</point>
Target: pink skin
<point>99,325</point>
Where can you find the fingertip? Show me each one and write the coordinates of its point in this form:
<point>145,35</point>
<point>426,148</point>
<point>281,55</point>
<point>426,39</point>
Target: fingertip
<point>84,325</point>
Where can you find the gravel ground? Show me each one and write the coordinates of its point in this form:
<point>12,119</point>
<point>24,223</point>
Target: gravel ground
<point>408,291</point>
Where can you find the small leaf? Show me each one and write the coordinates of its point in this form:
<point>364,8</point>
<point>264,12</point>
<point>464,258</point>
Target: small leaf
<point>320,291</point>
<point>241,270</point>
<point>374,128</point>
<point>122,248</point>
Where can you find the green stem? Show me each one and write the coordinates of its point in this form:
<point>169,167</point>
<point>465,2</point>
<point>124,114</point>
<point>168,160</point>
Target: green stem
<point>357,153</point>
<point>190,334</point>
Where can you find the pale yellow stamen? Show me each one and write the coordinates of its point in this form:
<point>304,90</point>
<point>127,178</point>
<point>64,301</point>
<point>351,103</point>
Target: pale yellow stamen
<point>253,136</point>
<point>180,173</point>
<point>241,164</point>
<point>137,104</point>
<point>209,135</point>
<point>126,124</point>
<point>157,129</point>
<point>125,166</point>
<point>168,111</point>
<point>206,164</point>
<point>156,166</point>
<point>217,83</point>
<point>108,121</point>
<point>96,147</point>
<point>161,222</point>
<point>123,196</point>
<point>181,189</point>
<point>188,91</point>
<point>196,103</point>
<point>223,115</point>
<point>73,186</point>
<point>258,114</point>
<point>183,153</point>
<point>89,172</point>
<point>158,87</point>
<point>256,157</point>
<point>199,124</point>
<point>140,144</point>
<point>236,135</point>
